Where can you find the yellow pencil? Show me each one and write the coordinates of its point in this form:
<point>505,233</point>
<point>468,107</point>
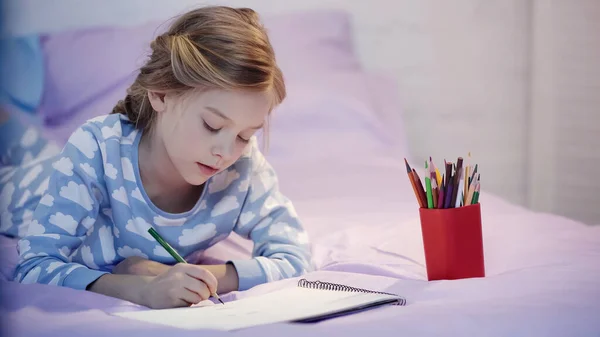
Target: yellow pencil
<point>438,177</point>
<point>466,187</point>
<point>471,191</point>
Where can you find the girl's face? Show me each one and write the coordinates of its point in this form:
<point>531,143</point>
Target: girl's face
<point>206,132</point>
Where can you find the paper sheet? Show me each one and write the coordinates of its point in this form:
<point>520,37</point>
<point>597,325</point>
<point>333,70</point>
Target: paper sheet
<point>279,306</point>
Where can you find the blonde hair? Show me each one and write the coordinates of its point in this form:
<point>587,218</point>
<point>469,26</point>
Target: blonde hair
<point>212,47</point>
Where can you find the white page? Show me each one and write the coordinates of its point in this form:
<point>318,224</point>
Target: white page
<point>278,306</point>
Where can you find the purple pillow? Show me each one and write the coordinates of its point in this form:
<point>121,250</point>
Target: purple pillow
<point>85,65</point>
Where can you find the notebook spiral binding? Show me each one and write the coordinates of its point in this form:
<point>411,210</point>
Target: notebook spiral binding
<point>304,283</point>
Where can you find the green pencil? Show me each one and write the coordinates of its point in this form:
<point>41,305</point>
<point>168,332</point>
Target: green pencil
<point>173,253</point>
<point>428,187</point>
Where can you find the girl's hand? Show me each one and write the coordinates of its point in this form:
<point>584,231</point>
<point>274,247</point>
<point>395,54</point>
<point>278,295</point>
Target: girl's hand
<point>136,265</point>
<point>179,286</point>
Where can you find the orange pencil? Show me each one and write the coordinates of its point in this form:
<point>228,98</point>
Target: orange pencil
<point>420,188</point>
<point>412,182</point>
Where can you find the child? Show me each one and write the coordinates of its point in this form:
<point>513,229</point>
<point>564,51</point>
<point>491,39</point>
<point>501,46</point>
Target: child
<point>179,155</point>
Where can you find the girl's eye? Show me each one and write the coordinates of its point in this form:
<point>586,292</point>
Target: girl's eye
<point>209,128</point>
<point>243,140</point>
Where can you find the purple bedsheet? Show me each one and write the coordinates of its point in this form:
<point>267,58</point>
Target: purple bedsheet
<point>542,270</point>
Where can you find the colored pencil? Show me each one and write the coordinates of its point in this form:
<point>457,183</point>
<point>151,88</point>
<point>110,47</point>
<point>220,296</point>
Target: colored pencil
<point>173,253</point>
<point>459,187</point>
<point>470,195</point>
<point>440,203</point>
<point>438,176</point>
<point>456,181</point>
<point>428,188</point>
<point>420,188</point>
<point>448,180</point>
<point>466,178</point>
<point>448,196</point>
<point>413,184</point>
<point>473,174</point>
<point>476,194</point>
<point>460,198</point>
<point>456,186</point>
<point>434,192</point>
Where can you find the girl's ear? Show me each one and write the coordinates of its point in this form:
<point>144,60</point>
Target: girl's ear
<point>157,100</point>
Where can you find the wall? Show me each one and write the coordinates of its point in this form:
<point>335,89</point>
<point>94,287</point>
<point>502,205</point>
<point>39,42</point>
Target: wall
<point>564,137</point>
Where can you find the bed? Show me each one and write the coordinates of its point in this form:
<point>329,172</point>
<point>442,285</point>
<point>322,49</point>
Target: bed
<point>338,145</point>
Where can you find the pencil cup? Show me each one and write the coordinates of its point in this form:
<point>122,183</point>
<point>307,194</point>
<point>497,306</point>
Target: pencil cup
<point>453,242</point>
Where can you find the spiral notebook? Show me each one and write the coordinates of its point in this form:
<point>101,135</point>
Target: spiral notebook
<point>309,302</point>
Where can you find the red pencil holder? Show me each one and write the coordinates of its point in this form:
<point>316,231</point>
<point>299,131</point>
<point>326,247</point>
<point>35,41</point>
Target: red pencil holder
<point>453,242</point>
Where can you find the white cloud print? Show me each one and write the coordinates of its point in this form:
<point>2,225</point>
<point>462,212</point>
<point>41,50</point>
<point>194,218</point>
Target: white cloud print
<point>88,222</point>
<point>227,204</point>
<point>89,170</point>
<point>110,171</point>
<point>88,257</point>
<point>24,199</point>
<point>137,194</point>
<point>84,141</point>
<point>47,200</point>
<point>160,251</point>
<point>35,228</point>
<point>43,187</point>
<point>268,205</point>
<point>6,196</point>
<point>64,165</point>
<point>114,131</point>
<point>140,227</point>
<point>78,194</point>
<point>121,195</point>
<point>130,138</point>
<point>65,251</point>
<point>246,217</point>
<point>284,230</point>
<point>30,176</point>
<point>197,234</point>
<point>24,246</point>
<point>127,251</point>
<point>64,221</point>
<point>53,265</point>
<point>29,138</point>
<point>107,243</point>
<point>127,169</point>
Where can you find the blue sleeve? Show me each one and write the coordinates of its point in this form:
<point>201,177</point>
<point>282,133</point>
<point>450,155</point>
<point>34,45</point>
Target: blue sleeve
<point>63,217</point>
<point>281,245</point>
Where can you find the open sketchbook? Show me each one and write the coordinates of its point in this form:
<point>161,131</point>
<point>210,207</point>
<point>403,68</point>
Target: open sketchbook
<point>309,302</point>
